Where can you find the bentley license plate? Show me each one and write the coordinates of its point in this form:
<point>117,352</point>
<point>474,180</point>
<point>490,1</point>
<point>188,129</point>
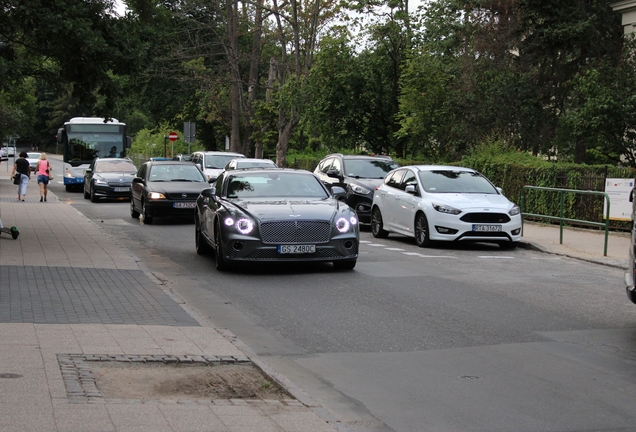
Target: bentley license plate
<point>487,228</point>
<point>184,205</point>
<point>296,249</point>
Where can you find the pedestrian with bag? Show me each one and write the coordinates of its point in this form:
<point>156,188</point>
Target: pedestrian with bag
<point>21,170</point>
<point>43,169</point>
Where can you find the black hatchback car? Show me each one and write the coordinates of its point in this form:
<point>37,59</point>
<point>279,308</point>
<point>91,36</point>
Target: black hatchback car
<point>358,175</point>
<point>109,178</point>
<point>166,189</point>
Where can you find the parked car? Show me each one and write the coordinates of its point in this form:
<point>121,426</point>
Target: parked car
<point>165,189</point>
<point>242,163</point>
<point>213,162</point>
<point>358,175</point>
<point>108,178</point>
<point>8,151</point>
<point>280,215</point>
<point>33,158</point>
<point>446,203</point>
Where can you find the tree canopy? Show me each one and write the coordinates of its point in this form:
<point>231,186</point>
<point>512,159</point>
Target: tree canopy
<point>554,78</point>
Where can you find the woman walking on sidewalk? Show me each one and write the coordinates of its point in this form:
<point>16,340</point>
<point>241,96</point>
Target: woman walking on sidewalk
<point>43,169</point>
<point>22,167</point>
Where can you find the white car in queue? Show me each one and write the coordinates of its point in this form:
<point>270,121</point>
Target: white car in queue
<point>444,203</point>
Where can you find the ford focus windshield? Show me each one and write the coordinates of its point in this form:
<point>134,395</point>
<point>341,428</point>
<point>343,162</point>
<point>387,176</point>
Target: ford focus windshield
<point>455,182</point>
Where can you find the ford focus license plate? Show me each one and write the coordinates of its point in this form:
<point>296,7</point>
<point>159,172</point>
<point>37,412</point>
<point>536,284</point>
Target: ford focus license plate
<point>296,249</point>
<point>487,228</point>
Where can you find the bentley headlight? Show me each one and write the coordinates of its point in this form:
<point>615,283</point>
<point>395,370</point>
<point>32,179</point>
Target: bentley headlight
<point>244,226</point>
<point>353,220</point>
<point>343,225</point>
<point>360,190</point>
<point>515,210</point>
<point>228,221</point>
<point>156,195</point>
<point>446,209</point>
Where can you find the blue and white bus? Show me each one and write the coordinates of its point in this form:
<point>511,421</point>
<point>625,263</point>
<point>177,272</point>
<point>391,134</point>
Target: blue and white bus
<point>86,138</point>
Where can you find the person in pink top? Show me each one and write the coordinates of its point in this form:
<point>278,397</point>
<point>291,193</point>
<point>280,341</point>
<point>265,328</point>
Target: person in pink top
<point>42,169</point>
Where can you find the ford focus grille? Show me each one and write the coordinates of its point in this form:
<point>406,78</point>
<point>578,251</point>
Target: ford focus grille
<point>486,218</point>
<point>295,232</point>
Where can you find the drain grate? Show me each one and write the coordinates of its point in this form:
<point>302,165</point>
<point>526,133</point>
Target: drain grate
<point>10,375</point>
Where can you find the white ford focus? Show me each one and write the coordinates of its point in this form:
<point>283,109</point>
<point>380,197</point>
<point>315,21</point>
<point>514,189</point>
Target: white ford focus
<point>447,203</point>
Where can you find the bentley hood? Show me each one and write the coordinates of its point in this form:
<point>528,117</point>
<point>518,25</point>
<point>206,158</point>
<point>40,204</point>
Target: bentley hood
<point>294,209</point>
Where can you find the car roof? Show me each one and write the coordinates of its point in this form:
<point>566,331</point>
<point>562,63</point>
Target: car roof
<point>439,168</point>
<point>113,159</point>
<point>239,155</point>
<point>252,160</point>
<point>169,162</point>
<point>268,171</point>
<point>344,156</point>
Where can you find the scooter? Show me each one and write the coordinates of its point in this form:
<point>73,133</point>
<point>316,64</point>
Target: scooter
<point>13,230</point>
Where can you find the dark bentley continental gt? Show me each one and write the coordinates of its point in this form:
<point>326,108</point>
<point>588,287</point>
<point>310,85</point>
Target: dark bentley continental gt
<point>278,215</point>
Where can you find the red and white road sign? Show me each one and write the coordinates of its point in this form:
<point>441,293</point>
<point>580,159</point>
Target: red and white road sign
<point>173,136</point>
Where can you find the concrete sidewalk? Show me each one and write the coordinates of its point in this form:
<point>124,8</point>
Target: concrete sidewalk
<point>71,296</point>
<point>579,243</point>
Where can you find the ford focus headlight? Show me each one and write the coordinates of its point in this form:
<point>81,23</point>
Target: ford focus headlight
<point>515,210</point>
<point>446,209</point>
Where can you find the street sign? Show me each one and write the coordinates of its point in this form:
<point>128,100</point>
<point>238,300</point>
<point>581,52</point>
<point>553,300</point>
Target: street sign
<point>173,136</point>
<point>189,131</point>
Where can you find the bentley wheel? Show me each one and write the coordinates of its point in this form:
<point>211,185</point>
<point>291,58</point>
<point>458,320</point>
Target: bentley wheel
<point>377,227</point>
<point>422,237</point>
<point>219,258</point>
<point>202,246</point>
<point>133,213</point>
<point>144,212</point>
<point>345,265</point>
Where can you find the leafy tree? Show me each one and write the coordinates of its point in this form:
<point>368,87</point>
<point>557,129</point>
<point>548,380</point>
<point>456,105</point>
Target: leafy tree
<point>535,74</point>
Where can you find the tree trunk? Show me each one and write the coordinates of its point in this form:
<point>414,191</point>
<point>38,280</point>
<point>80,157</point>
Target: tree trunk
<point>235,92</point>
<point>253,81</point>
<point>283,143</point>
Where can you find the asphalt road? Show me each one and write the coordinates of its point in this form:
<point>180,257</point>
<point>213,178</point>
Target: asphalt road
<point>454,338</point>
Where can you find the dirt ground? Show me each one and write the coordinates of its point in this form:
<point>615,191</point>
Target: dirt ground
<point>124,380</point>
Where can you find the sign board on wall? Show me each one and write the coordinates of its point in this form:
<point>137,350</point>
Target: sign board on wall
<point>618,190</point>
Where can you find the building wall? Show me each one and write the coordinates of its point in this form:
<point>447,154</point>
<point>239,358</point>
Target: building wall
<point>627,8</point>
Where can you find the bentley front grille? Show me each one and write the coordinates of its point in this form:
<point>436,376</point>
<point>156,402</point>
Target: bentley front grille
<point>289,232</point>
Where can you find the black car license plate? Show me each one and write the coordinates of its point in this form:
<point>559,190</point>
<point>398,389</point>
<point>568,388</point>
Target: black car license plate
<point>296,249</point>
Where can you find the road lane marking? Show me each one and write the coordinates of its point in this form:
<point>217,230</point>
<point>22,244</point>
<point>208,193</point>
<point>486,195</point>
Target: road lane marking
<point>395,249</point>
<point>495,257</point>
<point>427,256</point>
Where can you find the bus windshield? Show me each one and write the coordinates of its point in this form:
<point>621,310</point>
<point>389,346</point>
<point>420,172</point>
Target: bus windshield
<point>88,146</point>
